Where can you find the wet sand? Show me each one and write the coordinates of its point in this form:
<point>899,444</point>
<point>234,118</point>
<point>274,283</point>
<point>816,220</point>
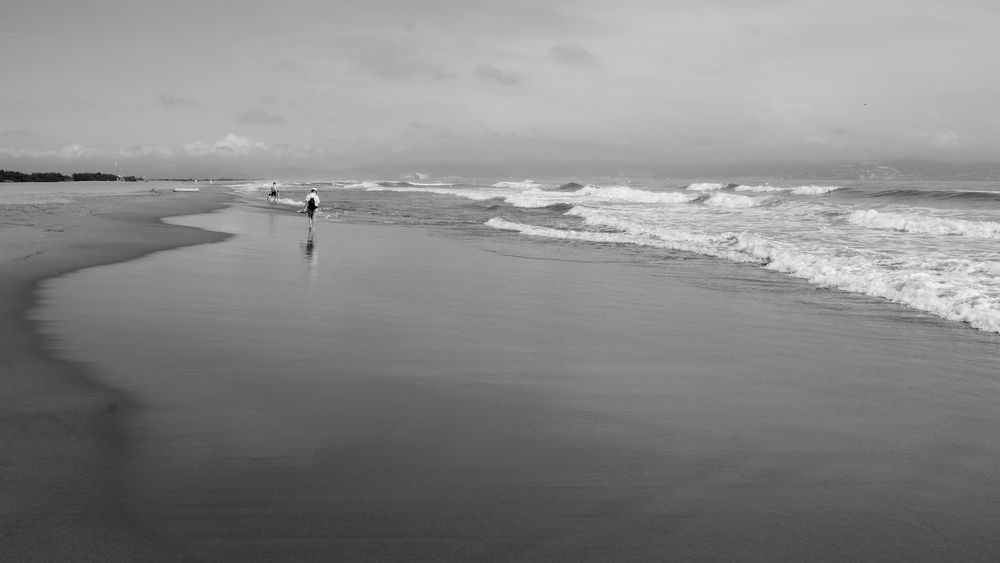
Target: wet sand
<point>390,395</point>
<point>60,437</point>
<point>386,394</point>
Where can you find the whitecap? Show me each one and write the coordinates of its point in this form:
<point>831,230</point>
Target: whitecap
<point>524,184</point>
<point>733,201</point>
<point>761,189</point>
<point>477,194</point>
<point>705,186</point>
<point>921,223</point>
<point>814,190</point>
<point>631,195</point>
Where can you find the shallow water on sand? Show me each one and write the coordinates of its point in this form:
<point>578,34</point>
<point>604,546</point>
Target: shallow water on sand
<point>26,193</point>
<point>378,392</point>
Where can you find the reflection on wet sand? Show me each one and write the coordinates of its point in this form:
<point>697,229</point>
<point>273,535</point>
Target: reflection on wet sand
<point>312,257</point>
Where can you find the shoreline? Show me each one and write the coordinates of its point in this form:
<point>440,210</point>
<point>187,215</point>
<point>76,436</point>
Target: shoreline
<point>434,400</point>
<point>61,434</point>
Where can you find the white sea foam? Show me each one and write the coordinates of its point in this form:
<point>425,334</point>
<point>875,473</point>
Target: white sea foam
<point>705,186</point>
<point>733,201</point>
<point>478,194</point>
<point>534,198</point>
<point>369,185</point>
<point>831,242</point>
<point>523,185</point>
<point>814,190</point>
<point>921,223</point>
<point>567,234</point>
<point>800,190</point>
<point>762,189</point>
<point>250,187</point>
<point>404,183</point>
<point>935,284</point>
<point>629,234</point>
<point>959,290</point>
<point>945,292</point>
<point>663,236</point>
<point>632,195</point>
<point>594,194</point>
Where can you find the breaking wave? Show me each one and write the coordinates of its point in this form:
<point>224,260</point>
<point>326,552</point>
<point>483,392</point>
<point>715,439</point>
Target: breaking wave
<point>924,224</point>
<point>958,290</point>
<point>706,186</point>
<point>733,201</point>
<point>800,190</point>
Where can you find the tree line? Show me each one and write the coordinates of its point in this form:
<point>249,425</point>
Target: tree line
<point>12,176</point>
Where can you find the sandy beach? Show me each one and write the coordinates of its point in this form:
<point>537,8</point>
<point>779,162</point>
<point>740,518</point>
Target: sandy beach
<point>390,393</point>
<point>60,435</point>
<point>523,281</point>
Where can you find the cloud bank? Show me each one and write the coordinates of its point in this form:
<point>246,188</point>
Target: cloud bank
<point>337,83</point>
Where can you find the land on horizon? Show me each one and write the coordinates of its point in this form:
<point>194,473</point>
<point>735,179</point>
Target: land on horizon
<point>14,176</point>
<point>870,170</point>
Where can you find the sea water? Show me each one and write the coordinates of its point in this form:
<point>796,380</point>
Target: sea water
<point>932,246</point>
<point>40,193</point>
<point>615,370</point>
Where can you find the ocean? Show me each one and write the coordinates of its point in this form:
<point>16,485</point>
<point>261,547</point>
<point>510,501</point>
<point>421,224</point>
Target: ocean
<point>496,369</point>
<point>932,246</point>
<point>33,193</point>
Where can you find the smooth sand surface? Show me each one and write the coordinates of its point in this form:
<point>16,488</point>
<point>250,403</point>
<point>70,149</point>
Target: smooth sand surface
<point>59,431</point>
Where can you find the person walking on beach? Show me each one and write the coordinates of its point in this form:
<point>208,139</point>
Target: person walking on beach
<point>312,202</point>
<point>274,192</point>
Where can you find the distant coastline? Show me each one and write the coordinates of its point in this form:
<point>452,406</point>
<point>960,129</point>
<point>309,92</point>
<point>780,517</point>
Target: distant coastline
<point>866,170</point>
<point>13,176</point>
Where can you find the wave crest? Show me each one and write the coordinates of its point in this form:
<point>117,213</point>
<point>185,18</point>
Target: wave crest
<point>612,194</point>
<point>705,186</point>
<point>799,190</point>
<point>523,185</point>
<point>733,201</point>
<point>814,190</point>
<point>924,224</point>
<point>954,291</point>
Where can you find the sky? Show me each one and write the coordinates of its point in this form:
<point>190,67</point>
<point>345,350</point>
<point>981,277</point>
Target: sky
<point>296,87</point>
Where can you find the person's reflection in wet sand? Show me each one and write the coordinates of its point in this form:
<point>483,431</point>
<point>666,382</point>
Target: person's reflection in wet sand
<point>312,257</point>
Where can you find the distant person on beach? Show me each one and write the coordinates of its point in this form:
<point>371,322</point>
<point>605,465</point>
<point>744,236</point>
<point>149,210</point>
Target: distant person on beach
<point>274,192</point>
<point>312,202</point>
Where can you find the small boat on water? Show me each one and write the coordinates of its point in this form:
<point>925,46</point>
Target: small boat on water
<point>185,189</point>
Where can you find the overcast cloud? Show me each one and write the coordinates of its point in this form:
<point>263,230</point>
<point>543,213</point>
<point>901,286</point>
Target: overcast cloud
<point>218,84</point>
